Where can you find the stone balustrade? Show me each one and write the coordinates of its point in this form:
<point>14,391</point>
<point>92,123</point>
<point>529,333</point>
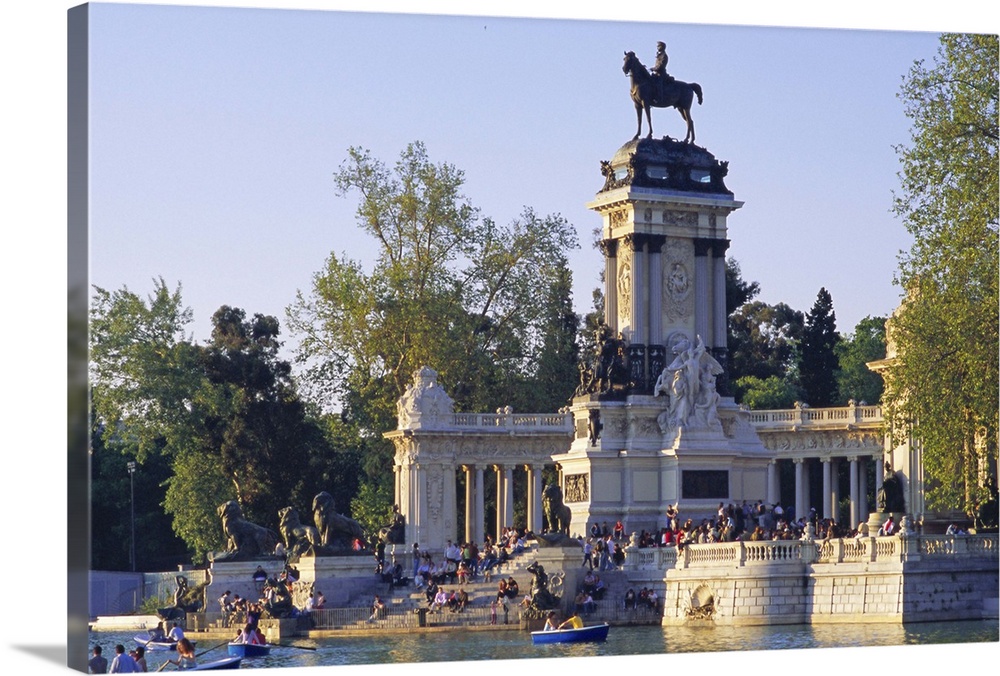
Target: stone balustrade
<point>835,417</point>
<point>848,550</point>
<point>522,422</point>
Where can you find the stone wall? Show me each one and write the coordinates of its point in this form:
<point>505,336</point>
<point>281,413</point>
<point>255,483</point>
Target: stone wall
<point>926,578</point>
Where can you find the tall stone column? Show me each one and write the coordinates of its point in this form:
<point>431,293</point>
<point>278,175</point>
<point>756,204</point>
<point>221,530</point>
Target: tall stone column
<point>610,249</point>
<point>834,488</point>
<point>534,498</point>
<point>773,483</point>
<point>639,310</point>
<point>479,532</point>
<point>879,475</point>
<point>501,508</point>
<point>719,337</point>
<point>656,351</point>
<point>862,489</point>
<point>508,495</point>
<point>856,510</point>
<point>801,487</point>
<point>701,296</point>
<point>827,489</point>
<point>470,504</point>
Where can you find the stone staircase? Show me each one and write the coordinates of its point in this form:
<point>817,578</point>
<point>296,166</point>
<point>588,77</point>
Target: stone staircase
<point>402,603</point>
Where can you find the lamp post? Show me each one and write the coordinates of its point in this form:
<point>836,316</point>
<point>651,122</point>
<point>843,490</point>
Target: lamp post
<point>131,478</point>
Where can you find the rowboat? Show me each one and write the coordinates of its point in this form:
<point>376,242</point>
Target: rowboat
<point>150,644</point>
<point>592,634</point>
<point>249,650</point>
<point>225,663</point>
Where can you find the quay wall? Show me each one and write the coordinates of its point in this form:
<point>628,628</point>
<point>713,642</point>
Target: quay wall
<point>887,579</point>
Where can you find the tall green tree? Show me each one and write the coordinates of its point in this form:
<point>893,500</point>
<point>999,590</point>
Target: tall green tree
<point>764,345</point>
<point>483,304</point>
<point>943,385</point>
<point>818,362</point>
<point>854,379</point>
<point>213,422</point>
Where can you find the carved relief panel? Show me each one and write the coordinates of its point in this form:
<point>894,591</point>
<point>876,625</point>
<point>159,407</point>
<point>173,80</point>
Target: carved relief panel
<point>577,488</point>
<point>624,286</point>
<point>678,280</point>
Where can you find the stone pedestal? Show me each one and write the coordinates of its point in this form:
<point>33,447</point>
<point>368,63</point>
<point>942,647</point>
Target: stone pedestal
<point>567,562</point>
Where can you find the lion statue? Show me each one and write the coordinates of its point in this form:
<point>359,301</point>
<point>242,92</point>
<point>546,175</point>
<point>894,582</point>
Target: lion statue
<point>556,513</point>
<point>300,539</point>
<point>336,532</point>
<point>245,540</point>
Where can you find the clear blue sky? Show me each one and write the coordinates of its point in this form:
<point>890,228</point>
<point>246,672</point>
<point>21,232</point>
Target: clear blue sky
<point>215,132</point>
<point>805,200</point>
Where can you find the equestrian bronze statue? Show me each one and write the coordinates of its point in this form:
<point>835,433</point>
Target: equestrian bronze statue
<point>659,92</point>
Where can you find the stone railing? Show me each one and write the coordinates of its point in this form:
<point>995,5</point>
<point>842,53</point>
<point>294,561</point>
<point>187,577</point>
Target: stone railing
<point>552,422</point>
<point>650,558</point>
<point>848,550</point>
<point>837,417</point>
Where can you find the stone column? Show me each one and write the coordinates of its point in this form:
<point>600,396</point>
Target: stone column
<point>655,336</point>
<point>610,249</point>
<point>773,483</point>
<point>417,517</point>
<point>501,508</point>
<point>470,504</point>
<point>719,338</point>
<point>535,498</point>
<point>801,487</point>
<point>856,509</point>
<point>640,284</point>
<point>701,297</point>
<point>827,492</point>
<point>834,488</point>
<point>508,495</point>
<point>879,475</point>
<point>862,489</point>
<point>480,529</point>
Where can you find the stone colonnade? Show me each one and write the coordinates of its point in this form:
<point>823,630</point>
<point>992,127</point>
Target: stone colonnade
<point>819,440</point>
<point>830,497</point>
<point>475,499</point>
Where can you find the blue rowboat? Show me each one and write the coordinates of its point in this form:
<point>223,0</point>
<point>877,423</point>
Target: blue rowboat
<point>249,650</point>
<point>225,663</point>
<point>593,634</point>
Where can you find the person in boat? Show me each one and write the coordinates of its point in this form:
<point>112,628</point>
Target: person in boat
<point>185,655</point>
<point>551,623</point>
<point>574,622</point>
<point>176,633</point>
<point>157,634</point>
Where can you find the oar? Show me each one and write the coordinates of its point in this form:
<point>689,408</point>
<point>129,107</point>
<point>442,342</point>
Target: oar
<point>297,647</point>
<point>208,650</point>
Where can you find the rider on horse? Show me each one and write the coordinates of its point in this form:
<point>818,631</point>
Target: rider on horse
<point>659,70</point>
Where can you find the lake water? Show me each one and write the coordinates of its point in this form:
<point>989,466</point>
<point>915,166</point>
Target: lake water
<point>381,648</point>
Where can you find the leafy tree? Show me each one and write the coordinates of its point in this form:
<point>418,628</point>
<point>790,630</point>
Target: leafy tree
<point>767,393</point>
<point>854,379</point>
<point>739,292</point>
<point>216,422</point>
<point>943,384</point>
<point>818,362</point>
<point>484,305</point>
<point>763,342</point>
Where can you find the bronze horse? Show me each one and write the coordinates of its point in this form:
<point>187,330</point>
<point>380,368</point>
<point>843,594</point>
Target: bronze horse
<point>646,92</point>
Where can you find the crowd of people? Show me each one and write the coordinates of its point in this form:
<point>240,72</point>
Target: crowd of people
<point>749,522</point>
